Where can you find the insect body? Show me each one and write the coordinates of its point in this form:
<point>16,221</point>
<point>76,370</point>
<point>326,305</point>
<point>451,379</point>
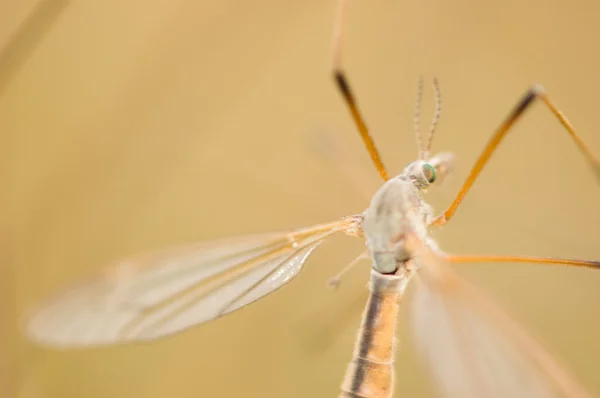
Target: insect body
<point>396,207</point>
<point>470,347</point>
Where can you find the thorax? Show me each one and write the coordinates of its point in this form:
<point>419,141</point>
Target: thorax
<point>396,208</point>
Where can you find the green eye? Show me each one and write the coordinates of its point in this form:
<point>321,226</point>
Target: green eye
<point>429,172</point>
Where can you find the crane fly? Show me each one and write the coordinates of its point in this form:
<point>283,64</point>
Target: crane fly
<point>471,348</point>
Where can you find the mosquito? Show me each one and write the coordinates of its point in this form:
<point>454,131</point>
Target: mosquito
<point>472,349</point>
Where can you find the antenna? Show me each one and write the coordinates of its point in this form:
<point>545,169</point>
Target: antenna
<point>436,116</point>
<point>417,118</point>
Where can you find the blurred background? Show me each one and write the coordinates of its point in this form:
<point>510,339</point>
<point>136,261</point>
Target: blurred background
<point>128,126</point>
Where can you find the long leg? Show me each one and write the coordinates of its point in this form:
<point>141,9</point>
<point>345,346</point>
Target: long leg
<point>461,259</point>
<point>535,92</point>
<point>334,282</point>
<point>331,145</point>
<point>344,87</point>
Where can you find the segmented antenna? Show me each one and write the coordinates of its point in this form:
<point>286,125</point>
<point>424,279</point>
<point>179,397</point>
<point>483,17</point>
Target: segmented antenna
<point>436,116</point>
<point>417,118</point>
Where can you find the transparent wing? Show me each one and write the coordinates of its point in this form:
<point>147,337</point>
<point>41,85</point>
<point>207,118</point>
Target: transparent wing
<point>472,349</point>
<point>162,293</point>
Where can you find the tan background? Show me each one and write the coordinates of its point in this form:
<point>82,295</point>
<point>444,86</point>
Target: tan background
<point>131,125</point>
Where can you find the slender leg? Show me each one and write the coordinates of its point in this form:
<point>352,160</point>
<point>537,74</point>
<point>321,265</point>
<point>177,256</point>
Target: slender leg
<point>535,92</point>
<point>334,282</point>
<point>345,90</point>
<point>461,259</point>
<point>332,146</point>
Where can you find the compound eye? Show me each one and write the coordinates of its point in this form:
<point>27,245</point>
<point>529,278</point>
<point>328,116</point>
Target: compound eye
<point>429,172</point>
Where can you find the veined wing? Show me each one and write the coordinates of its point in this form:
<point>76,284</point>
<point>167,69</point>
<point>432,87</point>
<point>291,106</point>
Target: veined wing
<point>161,293</point>
<point>471,347</point>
